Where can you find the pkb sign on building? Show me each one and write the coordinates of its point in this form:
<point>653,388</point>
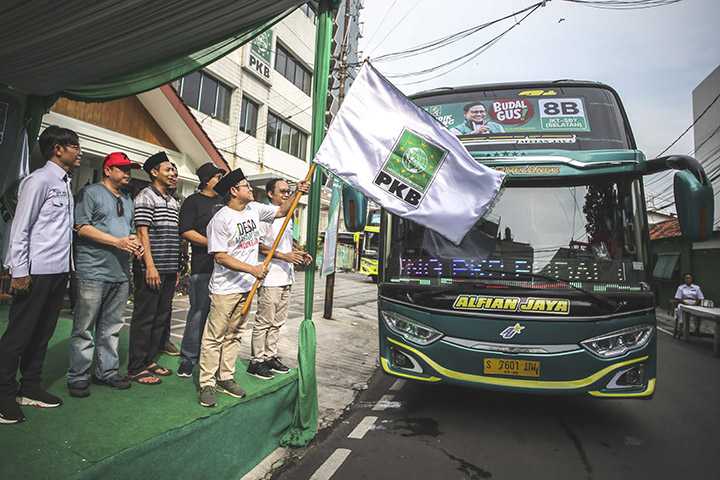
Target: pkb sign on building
<point>259,56</point>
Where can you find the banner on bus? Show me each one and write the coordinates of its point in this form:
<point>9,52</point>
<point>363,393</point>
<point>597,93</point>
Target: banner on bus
<point>399,156</point>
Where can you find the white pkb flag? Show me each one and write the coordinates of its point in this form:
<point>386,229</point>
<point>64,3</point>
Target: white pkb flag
<point>398,155</point>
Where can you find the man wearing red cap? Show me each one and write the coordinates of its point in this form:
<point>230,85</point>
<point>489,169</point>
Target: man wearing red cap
<point>105,242</point>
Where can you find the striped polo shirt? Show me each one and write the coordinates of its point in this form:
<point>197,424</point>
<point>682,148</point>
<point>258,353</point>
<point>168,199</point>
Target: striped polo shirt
<point>160,213</point>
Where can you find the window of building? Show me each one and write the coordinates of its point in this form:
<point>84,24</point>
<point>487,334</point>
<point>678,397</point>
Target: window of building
<point>248,116</point>
<point>286,137</point>
<point>292,69</point>
<point>666,265</point>
<point>207,94</point>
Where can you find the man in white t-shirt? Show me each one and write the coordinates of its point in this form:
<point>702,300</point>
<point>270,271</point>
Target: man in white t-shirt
<point>274,295</point>
<point>233,240</point>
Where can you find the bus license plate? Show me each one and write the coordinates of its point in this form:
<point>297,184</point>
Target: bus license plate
<point>516,368</point>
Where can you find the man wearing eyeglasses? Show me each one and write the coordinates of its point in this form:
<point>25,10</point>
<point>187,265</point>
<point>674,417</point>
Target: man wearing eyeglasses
<point>234,239</point>
<point>105,242</point>
<point>274,294</point>
<point>39,259</point>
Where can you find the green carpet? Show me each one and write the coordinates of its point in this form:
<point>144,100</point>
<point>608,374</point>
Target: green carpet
<point>159,431</point>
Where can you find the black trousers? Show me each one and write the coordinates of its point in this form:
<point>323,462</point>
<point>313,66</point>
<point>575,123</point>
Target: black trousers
<point>151,317</point>
<point>31,324</point>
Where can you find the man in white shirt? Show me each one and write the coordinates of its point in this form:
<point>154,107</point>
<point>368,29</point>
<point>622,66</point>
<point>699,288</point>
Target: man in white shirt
<point>274,294</point>
<point>233,239</point>
<point>39,259</point>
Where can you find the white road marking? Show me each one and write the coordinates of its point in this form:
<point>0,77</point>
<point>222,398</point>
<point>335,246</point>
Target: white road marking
<point>331,465</point>
<point>665,331</point>
<point>386,402</point>
<point>362,428</point>
<point>399,383</point>
<point>267,465</point>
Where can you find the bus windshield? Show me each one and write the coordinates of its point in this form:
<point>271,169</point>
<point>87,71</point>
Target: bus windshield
<point>589,235</point>
<point>567,117</point>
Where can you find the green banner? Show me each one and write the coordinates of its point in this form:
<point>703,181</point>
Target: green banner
<point>513,115</point>
<point>262,46</point>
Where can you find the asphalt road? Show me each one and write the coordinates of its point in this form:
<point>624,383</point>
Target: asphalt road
<point>407,430</point>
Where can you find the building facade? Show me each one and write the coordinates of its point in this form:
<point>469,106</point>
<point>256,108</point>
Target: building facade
<point>256,102</point>
<point>706,131</point>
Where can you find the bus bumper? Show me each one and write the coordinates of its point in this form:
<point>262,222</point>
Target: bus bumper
<point>575,371</point>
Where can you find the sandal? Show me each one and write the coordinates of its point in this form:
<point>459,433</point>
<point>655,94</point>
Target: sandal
<point>159,370</point>
<point>145,374</point>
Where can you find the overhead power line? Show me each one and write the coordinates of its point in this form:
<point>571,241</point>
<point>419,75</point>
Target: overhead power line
<point>624,4</point>
<point>382,20</point>
<point>412,9</point>
<point>691,125</point>
<point>444,41</point>
<point>469,56</point>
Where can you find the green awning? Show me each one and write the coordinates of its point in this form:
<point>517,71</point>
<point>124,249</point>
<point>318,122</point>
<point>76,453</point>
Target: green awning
<point>666,265</point>
<point>121,48</point>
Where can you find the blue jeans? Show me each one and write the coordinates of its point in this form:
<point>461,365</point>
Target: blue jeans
<point>196,318</point>
<point>99,307</point>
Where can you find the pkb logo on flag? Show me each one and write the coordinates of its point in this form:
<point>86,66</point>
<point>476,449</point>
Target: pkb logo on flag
<point>411,167</point>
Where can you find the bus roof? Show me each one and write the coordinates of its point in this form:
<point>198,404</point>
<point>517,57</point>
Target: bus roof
<point>539,84</point>
<point>513,85</point>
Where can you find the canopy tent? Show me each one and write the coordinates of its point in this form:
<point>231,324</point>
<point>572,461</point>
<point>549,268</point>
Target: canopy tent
<point>46,48</point>
<point>109,49</point>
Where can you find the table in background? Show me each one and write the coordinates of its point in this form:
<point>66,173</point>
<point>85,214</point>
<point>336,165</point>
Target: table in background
<point>705,313</point>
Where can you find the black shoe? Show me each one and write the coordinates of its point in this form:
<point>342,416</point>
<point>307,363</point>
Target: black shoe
<point>37,397</point>
<point>117,382</point>
<point>170,349</point>
<point>10,411</point>
<point>79,389</point>
<point>276,365</point>
<point>260,370</point>
<point>185,370</point>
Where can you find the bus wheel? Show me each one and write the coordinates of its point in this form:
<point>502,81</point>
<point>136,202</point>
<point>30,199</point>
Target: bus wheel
<point>373,278</point>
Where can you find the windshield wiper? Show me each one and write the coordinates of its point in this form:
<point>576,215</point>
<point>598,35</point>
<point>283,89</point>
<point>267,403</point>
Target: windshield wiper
<point>598,298</point>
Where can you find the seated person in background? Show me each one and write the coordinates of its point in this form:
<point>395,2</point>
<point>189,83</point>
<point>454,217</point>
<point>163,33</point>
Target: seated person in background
<point>689,294</point>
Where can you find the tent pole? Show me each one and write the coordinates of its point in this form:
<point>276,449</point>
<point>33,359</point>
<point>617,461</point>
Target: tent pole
<point>323,45</point>
<point>305,419</point>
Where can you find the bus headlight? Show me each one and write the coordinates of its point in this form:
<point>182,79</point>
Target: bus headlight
<point>411,330</point>
<point>620,342</point>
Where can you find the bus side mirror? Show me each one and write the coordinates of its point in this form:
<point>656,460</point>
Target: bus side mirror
<point>354,209</point>
<point>695,206</point>
<point>694,199</point>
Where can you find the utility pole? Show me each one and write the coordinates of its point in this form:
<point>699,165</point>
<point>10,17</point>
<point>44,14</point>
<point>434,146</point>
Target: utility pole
<point>342,77</point>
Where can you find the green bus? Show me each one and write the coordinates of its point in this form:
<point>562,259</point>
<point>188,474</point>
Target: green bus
<point>550,292</point>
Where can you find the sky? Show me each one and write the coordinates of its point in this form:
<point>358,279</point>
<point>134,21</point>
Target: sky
<point>654,57</point>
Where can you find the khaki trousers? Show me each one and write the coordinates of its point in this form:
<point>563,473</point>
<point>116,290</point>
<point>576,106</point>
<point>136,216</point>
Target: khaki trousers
<point>221,338</point>
<point>272,312</point>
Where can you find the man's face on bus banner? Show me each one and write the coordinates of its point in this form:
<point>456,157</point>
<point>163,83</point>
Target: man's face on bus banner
<point>476,114</point>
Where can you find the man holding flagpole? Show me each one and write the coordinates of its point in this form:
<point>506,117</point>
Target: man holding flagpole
<point>233,240</point>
